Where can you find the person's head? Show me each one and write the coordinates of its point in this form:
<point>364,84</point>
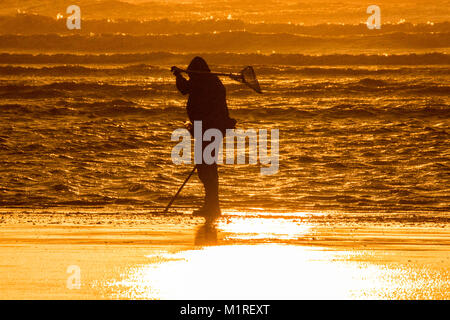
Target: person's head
<point>197,64</point>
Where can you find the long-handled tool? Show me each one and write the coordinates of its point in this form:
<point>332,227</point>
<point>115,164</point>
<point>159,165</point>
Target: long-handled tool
<point>179,190</point>
<point>247,76</point>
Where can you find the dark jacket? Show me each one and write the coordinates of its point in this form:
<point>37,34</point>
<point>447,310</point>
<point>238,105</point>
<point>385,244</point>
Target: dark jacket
<point>207,97</point>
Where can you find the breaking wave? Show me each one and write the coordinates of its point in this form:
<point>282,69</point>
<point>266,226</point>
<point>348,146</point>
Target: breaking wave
<point>231,41</point>
<point>223,58</point>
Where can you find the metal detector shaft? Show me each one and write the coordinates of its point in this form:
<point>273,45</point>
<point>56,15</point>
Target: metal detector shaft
<point>246,76</point>
<point>179,190</point>
<point>231,75</point>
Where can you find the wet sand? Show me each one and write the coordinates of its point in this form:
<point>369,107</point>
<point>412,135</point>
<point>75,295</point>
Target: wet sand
<point>247,255</point>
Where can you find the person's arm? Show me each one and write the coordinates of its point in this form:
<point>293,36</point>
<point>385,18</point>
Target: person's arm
<point>182,83</point>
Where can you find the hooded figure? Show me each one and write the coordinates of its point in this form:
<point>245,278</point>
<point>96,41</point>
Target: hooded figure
<point>207,96</point>
<point>206,103</point>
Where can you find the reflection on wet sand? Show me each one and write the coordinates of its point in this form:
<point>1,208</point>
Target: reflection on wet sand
<point>252,255</point>
<point>206,235</point>
<point>255,258</point>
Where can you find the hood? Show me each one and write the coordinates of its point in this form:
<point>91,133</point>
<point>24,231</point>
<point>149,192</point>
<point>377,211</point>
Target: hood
<point>198,64</point>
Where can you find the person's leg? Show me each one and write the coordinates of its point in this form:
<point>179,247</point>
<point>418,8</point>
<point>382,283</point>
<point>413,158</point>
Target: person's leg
<point>209,177</point>
<point>212,186</point>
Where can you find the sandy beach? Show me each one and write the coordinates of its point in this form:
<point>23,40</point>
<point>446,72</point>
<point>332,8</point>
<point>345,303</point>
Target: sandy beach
<point>246,255</point>
<point>330,131</point>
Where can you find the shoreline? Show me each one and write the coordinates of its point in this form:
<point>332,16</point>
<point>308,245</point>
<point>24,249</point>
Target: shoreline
<point>137,256</point>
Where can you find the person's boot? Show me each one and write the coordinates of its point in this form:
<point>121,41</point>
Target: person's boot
<point>211,209</point>
<point>208,211</point>
<point>201,212</point>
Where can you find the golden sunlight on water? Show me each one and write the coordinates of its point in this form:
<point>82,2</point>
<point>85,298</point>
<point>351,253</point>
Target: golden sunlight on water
<point>256,228</point>
<point>269,270</point>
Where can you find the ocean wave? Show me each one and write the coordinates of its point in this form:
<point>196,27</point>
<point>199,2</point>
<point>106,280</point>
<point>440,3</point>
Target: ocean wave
<point>108,108</point>
<point>83,89</point>
<point>151,70</point>
<point>42,25</point>
<point>343,111</point>
<point>78,70</point>
<point>100,90</point>
<point>122,107</point>
<point>224,58</point>
<point>233,41</point>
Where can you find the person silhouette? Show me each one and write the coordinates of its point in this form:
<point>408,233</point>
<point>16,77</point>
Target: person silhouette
<point>206,103</point>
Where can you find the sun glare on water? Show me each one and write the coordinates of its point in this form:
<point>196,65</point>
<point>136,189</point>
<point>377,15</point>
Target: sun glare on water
<point>264,270</point>
<point>268,271</point>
